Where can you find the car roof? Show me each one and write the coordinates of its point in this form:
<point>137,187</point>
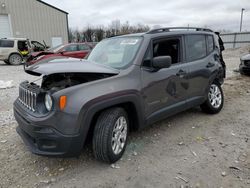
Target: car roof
<point>75,43</point>
<point>171,31</point>
<point>14,39</point>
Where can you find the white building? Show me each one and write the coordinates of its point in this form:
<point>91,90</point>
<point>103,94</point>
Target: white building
<point>33,19</point>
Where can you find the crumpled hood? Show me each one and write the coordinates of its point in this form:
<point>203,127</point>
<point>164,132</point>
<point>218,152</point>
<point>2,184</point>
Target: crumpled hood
<point>68,65</point>
<point>245,57</point>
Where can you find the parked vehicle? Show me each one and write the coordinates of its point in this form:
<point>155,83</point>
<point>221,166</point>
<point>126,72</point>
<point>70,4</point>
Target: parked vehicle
<point>245,64</point>
<point>76,50</point>
<point>14,50</point>
<point>125,84</point>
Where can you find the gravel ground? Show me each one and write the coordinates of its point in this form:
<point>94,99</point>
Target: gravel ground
<point>191,149</point>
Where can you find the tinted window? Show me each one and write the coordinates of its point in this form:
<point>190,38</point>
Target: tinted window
<point>210,44</point>
<point>6,43</point>
<point>196,47</point>
<point>83,47</point>
<point>71,48</point>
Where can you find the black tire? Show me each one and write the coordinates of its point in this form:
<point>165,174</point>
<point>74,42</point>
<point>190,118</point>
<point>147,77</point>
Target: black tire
<point>15,59</point>
<point>207,106</point>
<point>103,134</point>
<point>6,62</point>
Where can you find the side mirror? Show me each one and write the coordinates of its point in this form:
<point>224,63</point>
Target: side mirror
<point>161,62</point>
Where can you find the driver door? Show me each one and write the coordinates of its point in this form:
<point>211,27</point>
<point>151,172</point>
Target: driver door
<point>165,90</point>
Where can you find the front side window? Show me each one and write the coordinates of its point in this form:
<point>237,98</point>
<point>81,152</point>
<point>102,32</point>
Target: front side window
<point>195,47</point>
<point>170,47</point>
<point>163,47</point>
<point>6,43</point>
<point>22,45</point>
<point>116,52</point>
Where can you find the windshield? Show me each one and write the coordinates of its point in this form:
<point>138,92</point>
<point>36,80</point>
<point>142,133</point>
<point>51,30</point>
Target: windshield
<point>56,48</point>
<point>115,52</point>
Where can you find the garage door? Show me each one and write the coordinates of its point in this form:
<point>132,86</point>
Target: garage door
<point>5,26</point>
<point>56,41</point>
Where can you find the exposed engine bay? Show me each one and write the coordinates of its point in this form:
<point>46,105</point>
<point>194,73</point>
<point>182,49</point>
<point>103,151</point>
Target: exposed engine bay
<point>61,81</point>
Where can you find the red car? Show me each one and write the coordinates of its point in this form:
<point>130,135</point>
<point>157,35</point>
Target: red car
<point>75,50</point>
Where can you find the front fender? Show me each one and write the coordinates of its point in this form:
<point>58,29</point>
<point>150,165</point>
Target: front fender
<point>96,105</point>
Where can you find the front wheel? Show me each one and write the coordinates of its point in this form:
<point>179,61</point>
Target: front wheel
<point>215,99</point>
<point>110,135</point>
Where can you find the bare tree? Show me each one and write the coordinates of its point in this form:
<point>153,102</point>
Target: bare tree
<point>88,34</point>
<point>99,34</point>
<point>96,34</point>
<point>71,35</point>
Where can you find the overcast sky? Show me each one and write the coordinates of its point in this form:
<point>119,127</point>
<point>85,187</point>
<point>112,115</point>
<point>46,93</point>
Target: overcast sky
<point>216,14</point>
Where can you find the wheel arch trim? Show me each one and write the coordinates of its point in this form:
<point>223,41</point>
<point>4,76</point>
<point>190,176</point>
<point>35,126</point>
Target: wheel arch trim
<point>93,107</point>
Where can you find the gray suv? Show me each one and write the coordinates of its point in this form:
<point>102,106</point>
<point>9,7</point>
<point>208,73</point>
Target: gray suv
<point>126,83</point>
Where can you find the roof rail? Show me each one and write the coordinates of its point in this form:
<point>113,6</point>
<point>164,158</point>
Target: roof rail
<point>168,29</point>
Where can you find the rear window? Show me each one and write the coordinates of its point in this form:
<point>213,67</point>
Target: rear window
<point>196,47</point>
<point>6,43</point>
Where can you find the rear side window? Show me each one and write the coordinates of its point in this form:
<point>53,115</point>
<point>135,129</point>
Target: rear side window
<point>6,43</point>
<point>210,43</point>
<point>195,47</point>
<point>71,48</point>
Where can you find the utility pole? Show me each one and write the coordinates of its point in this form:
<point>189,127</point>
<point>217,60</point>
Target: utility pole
<point>241,18</point>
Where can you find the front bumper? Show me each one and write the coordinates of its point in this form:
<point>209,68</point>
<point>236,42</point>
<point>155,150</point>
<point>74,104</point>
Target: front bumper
<point>3,58</point>
<point>46,140</point>
<point>244,69</point>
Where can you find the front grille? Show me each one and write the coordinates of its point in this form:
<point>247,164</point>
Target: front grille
<point>247,63</point>
<point>28,95</point>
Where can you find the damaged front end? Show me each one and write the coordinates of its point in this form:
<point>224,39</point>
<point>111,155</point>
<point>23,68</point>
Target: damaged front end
<point>58,75</point>
<point>46,127</point>
<point>37,97</point>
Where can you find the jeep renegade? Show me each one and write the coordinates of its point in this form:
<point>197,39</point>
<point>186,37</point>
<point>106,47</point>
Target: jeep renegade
<point>126,83</point>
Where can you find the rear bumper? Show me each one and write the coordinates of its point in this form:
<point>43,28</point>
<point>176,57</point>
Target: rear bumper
<point>45,140</point>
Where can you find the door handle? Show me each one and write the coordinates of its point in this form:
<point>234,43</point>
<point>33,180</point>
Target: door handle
<point>181,73</point>
<point>210,65</point>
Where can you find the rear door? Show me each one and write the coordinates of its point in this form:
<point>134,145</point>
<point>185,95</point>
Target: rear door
<point>6,47</point>
<point>165,90</point>
<point>200,58</point>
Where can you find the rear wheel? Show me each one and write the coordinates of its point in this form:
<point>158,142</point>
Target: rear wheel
<point>15,59</point>
<point>215,99</point>
<point>110,135</point>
